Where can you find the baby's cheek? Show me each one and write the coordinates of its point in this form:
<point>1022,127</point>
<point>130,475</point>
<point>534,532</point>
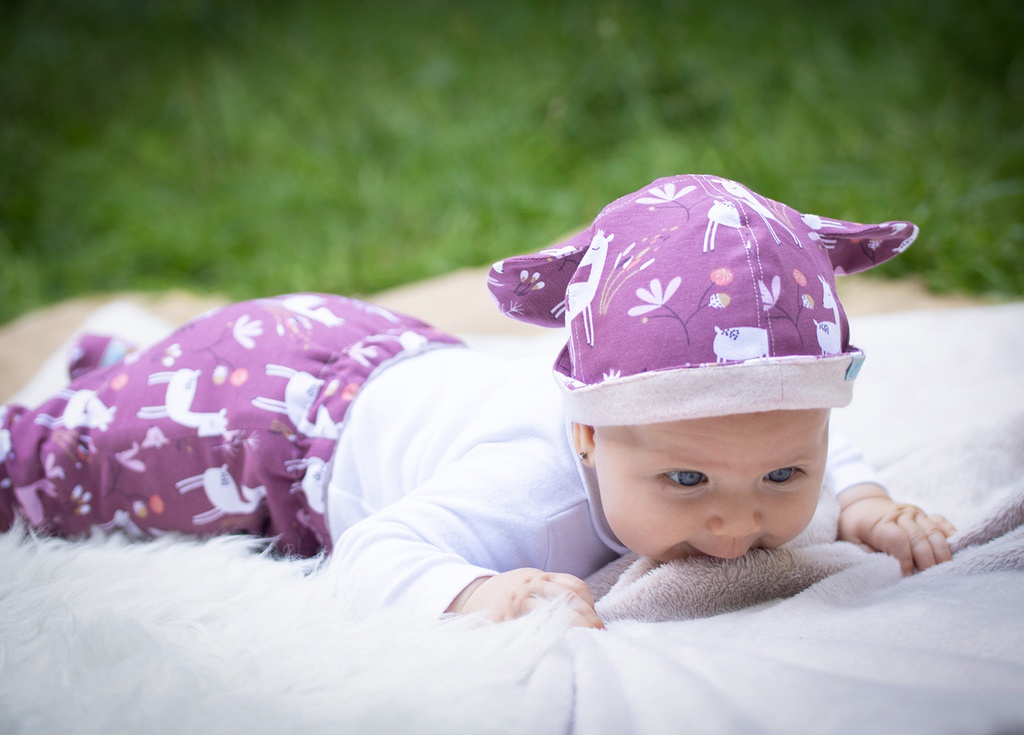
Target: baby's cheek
<point>638,531</point>
<point>796,518</point>
<point>626,525</point>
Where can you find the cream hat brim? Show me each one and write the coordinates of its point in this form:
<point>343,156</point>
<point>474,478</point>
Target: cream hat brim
<point>754,386</point>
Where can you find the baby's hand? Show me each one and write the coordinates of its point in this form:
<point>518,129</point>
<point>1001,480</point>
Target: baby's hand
<point>511,594</point>
<point>870,518</point>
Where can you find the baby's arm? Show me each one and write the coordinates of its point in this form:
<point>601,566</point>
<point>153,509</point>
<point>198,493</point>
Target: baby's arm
<point>517,592</point>
<point>872,519</point>
<point>471,538</point>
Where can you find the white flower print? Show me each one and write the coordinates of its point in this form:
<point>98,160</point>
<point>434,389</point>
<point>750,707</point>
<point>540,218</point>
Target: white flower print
<point>665,194</point>
<point>53,470</point>
<point>768,298</point>
<point>528,282</point>
<point>82,499</point>
<point>154,438</point>
<point>245,331</point>
<point>171,353</point>
<point>654,297</point>
<point>612,375</point>
<point>362,353</point>
<point>128,459</point>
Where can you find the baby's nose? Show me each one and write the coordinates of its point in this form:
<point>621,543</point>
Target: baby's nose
<point>735,521</point>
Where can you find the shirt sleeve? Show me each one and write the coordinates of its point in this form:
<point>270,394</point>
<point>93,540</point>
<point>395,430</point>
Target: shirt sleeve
<point>478,516</point>
<point>846,467</point>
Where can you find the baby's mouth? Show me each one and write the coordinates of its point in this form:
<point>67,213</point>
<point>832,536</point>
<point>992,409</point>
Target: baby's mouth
<point>715,548</point>
<point>724,548</point>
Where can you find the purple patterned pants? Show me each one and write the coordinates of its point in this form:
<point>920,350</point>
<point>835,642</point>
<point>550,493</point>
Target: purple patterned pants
<point>227,426</point>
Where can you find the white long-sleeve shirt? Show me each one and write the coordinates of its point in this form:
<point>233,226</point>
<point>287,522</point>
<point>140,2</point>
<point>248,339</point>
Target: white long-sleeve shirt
<point>456,464</point>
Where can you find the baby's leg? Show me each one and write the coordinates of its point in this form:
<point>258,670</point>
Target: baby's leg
<point>129,446</point>
<point>92,351</point>
<point>228,425</point>
<point>67,480</point>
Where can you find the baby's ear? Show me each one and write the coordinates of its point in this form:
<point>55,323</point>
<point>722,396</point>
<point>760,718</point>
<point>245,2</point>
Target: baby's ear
<point>531,288</point>
<point>853,247</point>
<point>583,442</point>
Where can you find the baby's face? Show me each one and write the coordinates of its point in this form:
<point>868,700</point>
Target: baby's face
<point>716,486</point>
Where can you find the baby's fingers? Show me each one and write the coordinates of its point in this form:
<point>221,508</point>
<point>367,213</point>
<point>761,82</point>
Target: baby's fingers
<point>927,540</point>
<point>583,614</point>
<point>894,538</point>
<point>576,594</point>
<point>938,533</point>
<point>945,526</point>
<point>922,555</point>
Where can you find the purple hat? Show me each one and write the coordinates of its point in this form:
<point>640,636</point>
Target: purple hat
<point>696,297</point>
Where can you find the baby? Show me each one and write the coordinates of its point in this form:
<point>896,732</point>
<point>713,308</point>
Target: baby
<point>689,415</point>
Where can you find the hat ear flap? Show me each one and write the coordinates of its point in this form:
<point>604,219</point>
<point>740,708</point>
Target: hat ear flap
<point>854,247</point>
<point>531,288</point>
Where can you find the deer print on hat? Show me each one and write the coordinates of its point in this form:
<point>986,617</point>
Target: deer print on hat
<point>690,272</point>
<point>579,297</point>
<point>828,332</point>
<point>721,213</point>
<point>767,216</point>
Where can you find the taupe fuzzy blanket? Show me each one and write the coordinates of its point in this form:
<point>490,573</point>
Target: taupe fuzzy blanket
<point>182,637</point>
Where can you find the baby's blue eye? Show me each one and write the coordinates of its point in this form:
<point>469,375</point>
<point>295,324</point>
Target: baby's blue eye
<point>687,478</point>
<point>780,475</point>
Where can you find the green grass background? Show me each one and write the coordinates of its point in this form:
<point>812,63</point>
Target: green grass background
<point>249,148</point>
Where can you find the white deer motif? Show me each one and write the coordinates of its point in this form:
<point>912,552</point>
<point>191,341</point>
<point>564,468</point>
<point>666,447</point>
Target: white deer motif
<point>314,481</point>
<point>740,343</point>
<point>82,411</point>
<point>311,307</point>
<point>816,223</point>
<point>720,213</point>
<point>579,296</point>
<point>767,215</point>
<point>181,391</point>
<point>223,493</point>
<point>829,335</point>
<point>300,394</point>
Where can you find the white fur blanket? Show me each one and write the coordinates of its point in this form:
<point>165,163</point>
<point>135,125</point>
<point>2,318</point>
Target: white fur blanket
<point>178,636</point>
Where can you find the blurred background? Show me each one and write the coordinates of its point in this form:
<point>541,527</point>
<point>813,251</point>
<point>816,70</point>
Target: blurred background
<point>250,148</point>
